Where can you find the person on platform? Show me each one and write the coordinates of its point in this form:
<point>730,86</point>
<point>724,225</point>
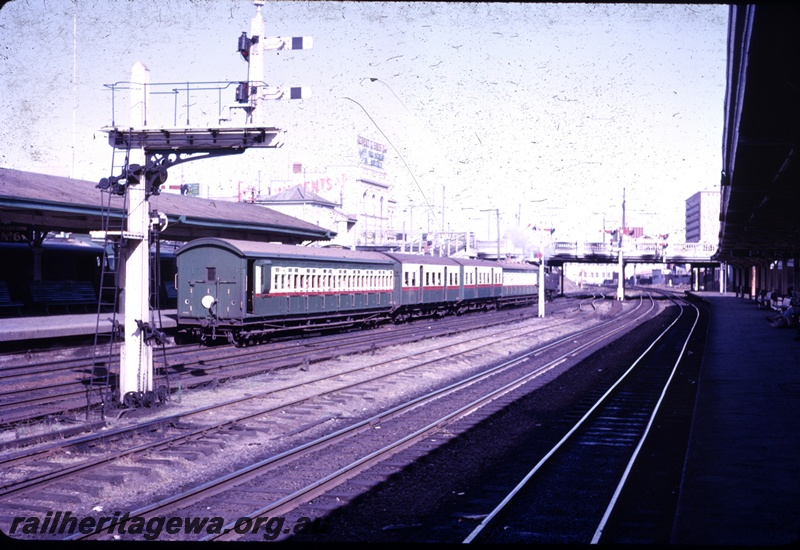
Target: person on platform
<point>789,316</point>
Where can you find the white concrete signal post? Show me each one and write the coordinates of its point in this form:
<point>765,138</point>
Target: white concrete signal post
<point>150,152</point>
<point>136,355</point>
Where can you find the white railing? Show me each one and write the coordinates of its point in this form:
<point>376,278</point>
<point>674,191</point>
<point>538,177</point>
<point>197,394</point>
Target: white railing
<point>660,251</point>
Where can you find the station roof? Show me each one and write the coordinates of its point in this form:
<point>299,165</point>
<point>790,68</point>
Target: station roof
<point>760,187</point>
<point>250,249</point>
<point>298,195</point>
<point>54,203</point>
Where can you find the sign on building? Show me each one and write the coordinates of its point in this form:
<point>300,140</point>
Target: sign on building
<point>371,153</point>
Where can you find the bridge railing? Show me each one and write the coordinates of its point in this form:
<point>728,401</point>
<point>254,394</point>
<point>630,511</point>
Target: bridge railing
<point>655,252</point>
<point>635,249</point>
<point>692,249</point>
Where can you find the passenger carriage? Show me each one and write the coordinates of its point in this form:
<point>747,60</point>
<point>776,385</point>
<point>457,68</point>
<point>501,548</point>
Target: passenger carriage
<point>247,290</point>
<point>520,283</point>
<point>424,285</point>
<point>250,289</point>
<point>482,280</point>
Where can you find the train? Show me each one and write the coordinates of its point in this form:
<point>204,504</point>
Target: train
<point>245,292</point>
<point>67,264</point>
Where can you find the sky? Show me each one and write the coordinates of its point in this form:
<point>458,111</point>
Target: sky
<point>547,113</point>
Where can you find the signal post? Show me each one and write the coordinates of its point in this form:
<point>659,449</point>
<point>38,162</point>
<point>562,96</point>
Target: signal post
<point>149,152</point>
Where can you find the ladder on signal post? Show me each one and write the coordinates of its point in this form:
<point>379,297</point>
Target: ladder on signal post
<point>163,148</point>
<point>106,343</point>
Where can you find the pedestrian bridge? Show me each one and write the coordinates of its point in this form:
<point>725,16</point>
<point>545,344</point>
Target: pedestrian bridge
<point>632,252</point>
<point>561,252</point>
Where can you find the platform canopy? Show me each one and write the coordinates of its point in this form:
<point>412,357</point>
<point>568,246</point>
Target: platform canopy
<point>53,203</point>
<point>760,191</point>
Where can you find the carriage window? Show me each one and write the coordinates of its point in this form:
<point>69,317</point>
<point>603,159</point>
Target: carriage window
<point>212,274</point>
<point>427,279</point>
<point>413,279</point>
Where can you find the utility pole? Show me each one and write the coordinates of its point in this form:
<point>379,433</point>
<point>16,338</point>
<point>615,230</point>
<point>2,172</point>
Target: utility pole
<point>621,282</point>
<point>542,277</point>
<point>497,212</point>
<point>442,208</point>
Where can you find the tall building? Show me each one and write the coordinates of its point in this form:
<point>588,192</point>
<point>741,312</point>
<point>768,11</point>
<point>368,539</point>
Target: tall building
<point>702,217</point>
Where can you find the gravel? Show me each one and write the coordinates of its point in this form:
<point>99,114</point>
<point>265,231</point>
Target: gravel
<point>441,496</point>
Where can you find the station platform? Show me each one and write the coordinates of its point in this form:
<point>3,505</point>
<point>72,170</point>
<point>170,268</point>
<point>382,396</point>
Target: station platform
<point>741,480</point>
<point>15,329</point>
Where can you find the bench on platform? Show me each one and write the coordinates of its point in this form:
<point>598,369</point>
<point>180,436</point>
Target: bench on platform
<point>780,303</point>
<point>62,294</point>
<point>6,302</point>
<point>765,299</point>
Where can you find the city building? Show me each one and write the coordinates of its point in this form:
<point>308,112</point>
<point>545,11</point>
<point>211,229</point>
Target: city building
<point>702,217</point>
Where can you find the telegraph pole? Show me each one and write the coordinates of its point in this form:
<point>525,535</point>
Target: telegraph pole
<point>497,213</point>
<point>621,282</point>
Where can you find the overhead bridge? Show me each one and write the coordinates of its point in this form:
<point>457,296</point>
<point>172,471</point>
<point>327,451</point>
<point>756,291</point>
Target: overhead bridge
<point>677,253</point>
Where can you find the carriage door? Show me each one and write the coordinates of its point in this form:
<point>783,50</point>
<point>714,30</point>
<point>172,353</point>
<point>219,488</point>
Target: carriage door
<point>261,271</point>
<point>421,285</point>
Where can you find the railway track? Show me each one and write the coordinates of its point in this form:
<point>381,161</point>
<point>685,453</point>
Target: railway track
<point>47,387</point>
<point>365,425</point>
<point>570,494</point>
<point>308,384</point>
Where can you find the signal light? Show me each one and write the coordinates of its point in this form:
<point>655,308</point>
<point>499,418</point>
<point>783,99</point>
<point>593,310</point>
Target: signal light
<point>244,46</point>
<point>242,92</point>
